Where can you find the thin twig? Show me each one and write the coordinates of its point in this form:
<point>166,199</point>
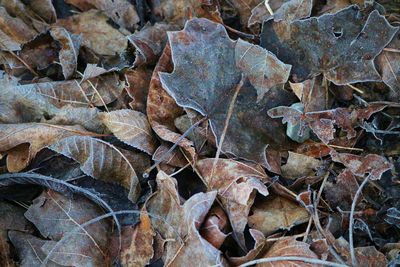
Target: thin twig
<point>303,259</point>
<point>351,223</point>
<point>161,159</point>
<point>226,124</point>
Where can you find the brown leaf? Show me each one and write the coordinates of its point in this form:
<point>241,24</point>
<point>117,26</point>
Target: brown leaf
<point>323,122</point>
<point>331,44</point>
<point>299,165</point>
<point>388,63</point>
<point>244,9</point>
<point>259,244</point>
<point>237,185</point>
<point>38,136</point>
<point>274,213</point>
<point>371,164</point>
<point>161,107</point>
<point>100,160</point>
<point>312,93</point>
<point>97,34</point>
<point>68,54</point>
<point>132,128</point>
<point>14,32</point>
<point>121,12</point>
<point>137,246</point>
<point>45,9</point>
<point>149,42</point>
<point>55,215</point>
<point>370,257</point>
<point>215,226</point>
<point>138,82</point>
<point>207,63</point>
<point>185,246</point>
<point>289,247</point>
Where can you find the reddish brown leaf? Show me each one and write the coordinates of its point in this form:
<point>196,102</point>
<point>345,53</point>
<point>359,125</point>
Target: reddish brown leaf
<point>289,247</point>
<point>237,185</point>
<point>259,244</point>
<point>215,226</point>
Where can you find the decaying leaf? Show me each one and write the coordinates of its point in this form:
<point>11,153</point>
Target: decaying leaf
<point>275,213</point>
<point>323,122</point>
<point>207,70</point>
<point>14,32</point>
<point>237,185</point>
<point>289,247</point>
<point>185,246</point>
<point>215,226</point>
<point>244,9</point>
<point>138,81</point>
<point>372,164</point>
<point>259,244</point>
<point>97,34</point>
<point>55,215</point>
<point>299,165</point>
<point>100,160</point>
<point>132,128</point>
<point>121,12</point>
<point>14,136</point>
<point>388,63</point>
<point>68,54</point>
<point>149,42</point>
<point>162,109</point>
<point>312,93</point>
<point>342,46</point>
<point>137,246</point>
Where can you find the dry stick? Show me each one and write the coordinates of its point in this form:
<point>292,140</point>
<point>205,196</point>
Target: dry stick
<point>290,258</point>
<point>221,141</point>
<point>351,223</point>
<point>183,136</point>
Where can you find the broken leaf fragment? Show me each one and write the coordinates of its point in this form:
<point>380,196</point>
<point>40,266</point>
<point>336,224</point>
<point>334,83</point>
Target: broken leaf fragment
<point>208,67</point>
<point>342,46</point>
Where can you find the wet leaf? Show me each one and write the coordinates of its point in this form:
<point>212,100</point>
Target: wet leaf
<point>132,128</point>
<point>237,185</point>
<point>342,46</point>
<point>204,52</point>
<point>100,160</point>
<point>182,221</point>
<point>274,213</point>
<point>289,247</point>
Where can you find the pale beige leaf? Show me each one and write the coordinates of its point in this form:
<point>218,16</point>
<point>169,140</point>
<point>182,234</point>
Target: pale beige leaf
<point>132,128</point>
<point>299,165</point>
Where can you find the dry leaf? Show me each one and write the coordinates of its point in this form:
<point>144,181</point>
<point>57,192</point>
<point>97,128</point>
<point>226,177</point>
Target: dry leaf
<point>371,164</point>
<point>138,82</point>
<point>137,246</point>
<point>323,122</point>
<point>121,12</point>
<point>97,34</point>
<point>289,247</point>
<point>388,63</point>
<point>55,215</point>
<point>45,9</point>
<point>259,244</point>
<point>185,246</point>
<point>274,213</point>
<point>215,226</point>
<point>205,61</point>
<point>342,46</point>
<point>132,128</point>
<point>38,136</point>
<point>299,165</point>
<point>100,160</point>
<point>162,109</point>
<point>149,42</point>
<point>237,185</point>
